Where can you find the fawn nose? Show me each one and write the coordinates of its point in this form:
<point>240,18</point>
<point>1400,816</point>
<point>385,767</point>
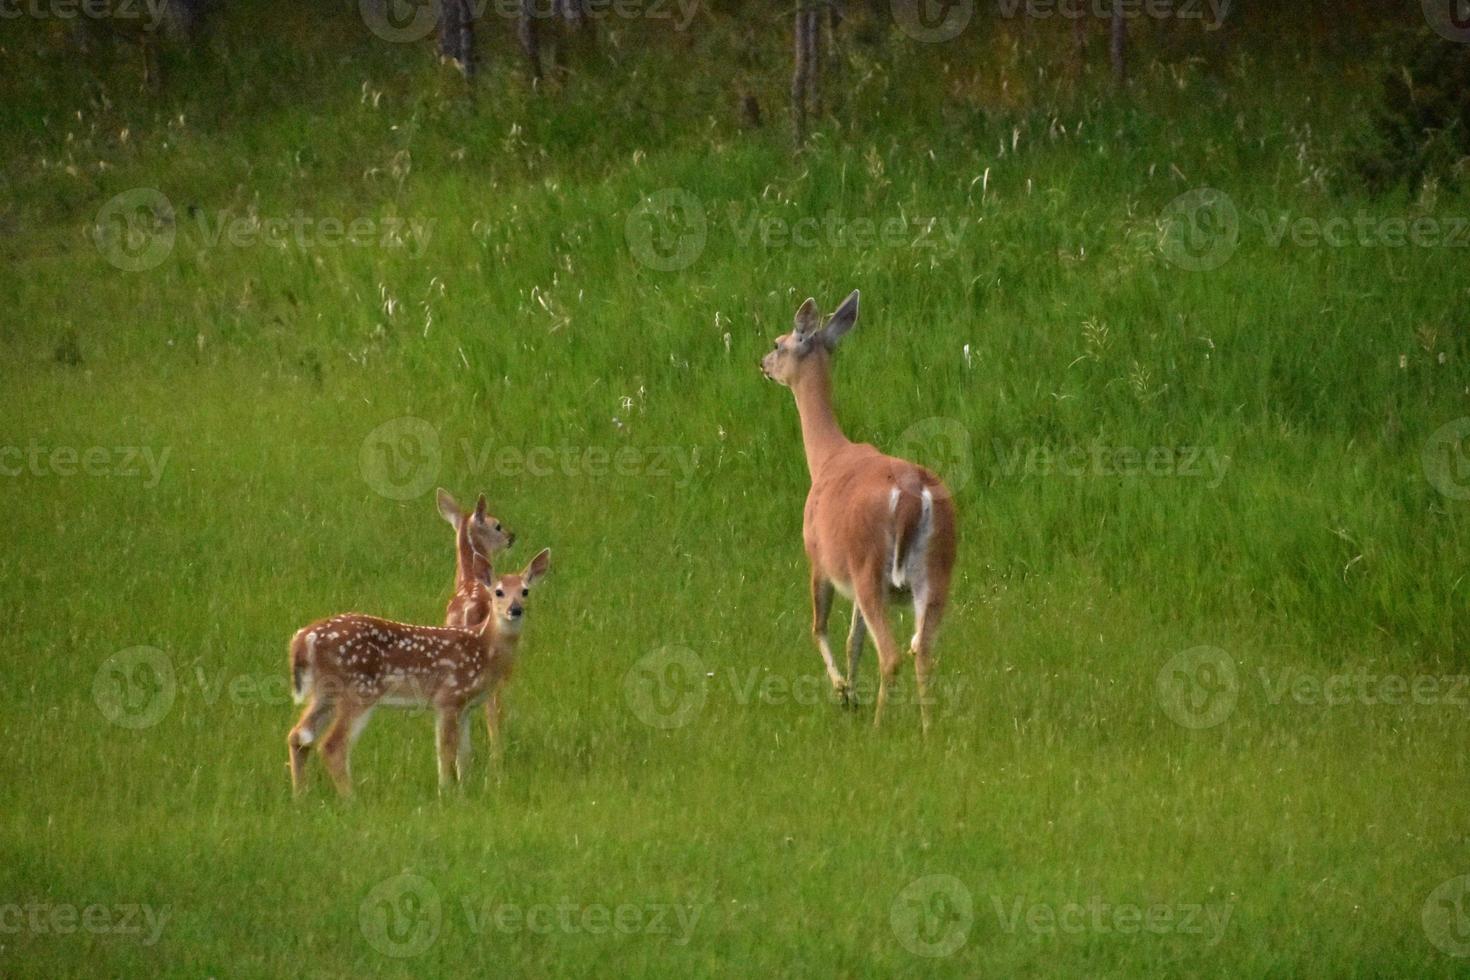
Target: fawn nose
<point>515,611</point>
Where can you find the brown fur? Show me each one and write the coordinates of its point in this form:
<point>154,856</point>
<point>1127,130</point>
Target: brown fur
<point>864,517</point>
<point>347,665</point>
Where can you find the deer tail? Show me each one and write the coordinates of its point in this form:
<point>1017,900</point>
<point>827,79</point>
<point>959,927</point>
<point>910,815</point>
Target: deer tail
<point>303,650</point>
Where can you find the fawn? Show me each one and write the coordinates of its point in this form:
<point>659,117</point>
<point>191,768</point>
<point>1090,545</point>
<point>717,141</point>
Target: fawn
<point>348,665</point>
<point>873,526</point>
<point>478,539</point>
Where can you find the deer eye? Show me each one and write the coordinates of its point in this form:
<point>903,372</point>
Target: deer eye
<point>497,527</point>
<point>776,345</point>
<point>500,593</point>
<point>525,592</point>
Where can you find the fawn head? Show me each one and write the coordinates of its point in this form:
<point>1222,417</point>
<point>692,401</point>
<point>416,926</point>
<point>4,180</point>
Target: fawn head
<point>508,602</point>
<point>810,341</point>
<point>487,536</point>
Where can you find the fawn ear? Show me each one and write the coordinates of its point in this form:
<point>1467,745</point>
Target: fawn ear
<point>539,566</point>
<point>480,508</point>
<point>841,320</point>
<point>807,318</point>
<point>448,508</point>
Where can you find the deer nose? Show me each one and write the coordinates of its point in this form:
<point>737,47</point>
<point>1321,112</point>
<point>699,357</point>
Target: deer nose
<point>515,612</point>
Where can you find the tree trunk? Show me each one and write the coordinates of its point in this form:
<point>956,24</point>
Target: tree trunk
<point>1119,46</point>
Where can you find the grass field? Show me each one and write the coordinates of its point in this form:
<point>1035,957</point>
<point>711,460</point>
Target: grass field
<point>1201,708</point>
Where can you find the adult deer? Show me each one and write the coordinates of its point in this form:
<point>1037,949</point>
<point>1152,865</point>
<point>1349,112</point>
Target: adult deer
<point>347,665</point>
<point>478,538</point>
<point>873,526</point>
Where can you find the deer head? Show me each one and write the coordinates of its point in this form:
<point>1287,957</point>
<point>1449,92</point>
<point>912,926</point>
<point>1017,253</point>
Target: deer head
<point>508,605</point>
<point>486,534</point>
<point>810,342</point>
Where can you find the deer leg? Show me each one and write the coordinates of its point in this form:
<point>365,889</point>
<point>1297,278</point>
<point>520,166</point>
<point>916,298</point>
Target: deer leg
<point>856,634</point>
<point>448,725</point>
<point>492,723</point>
<point>352,717</point>
<point>302,736</point>
<point>462,756</point>
<point>872,601</point>
<point>821,610</point>
<point>928,610</point>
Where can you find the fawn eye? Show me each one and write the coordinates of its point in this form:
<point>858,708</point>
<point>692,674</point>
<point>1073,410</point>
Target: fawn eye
<point>500,593</point>
<point>776,345</point>
<point>525,592</point>
<point>497,527</point>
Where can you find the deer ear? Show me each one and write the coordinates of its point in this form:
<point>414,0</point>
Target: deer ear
<point>841,320</point>
<point>807,318</point>
<point>480,507</point>
<point>448,508</point>
<point>539,566</point>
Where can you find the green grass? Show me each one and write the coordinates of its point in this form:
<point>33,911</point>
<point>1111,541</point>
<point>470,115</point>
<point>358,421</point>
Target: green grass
<point>1312,377</point>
